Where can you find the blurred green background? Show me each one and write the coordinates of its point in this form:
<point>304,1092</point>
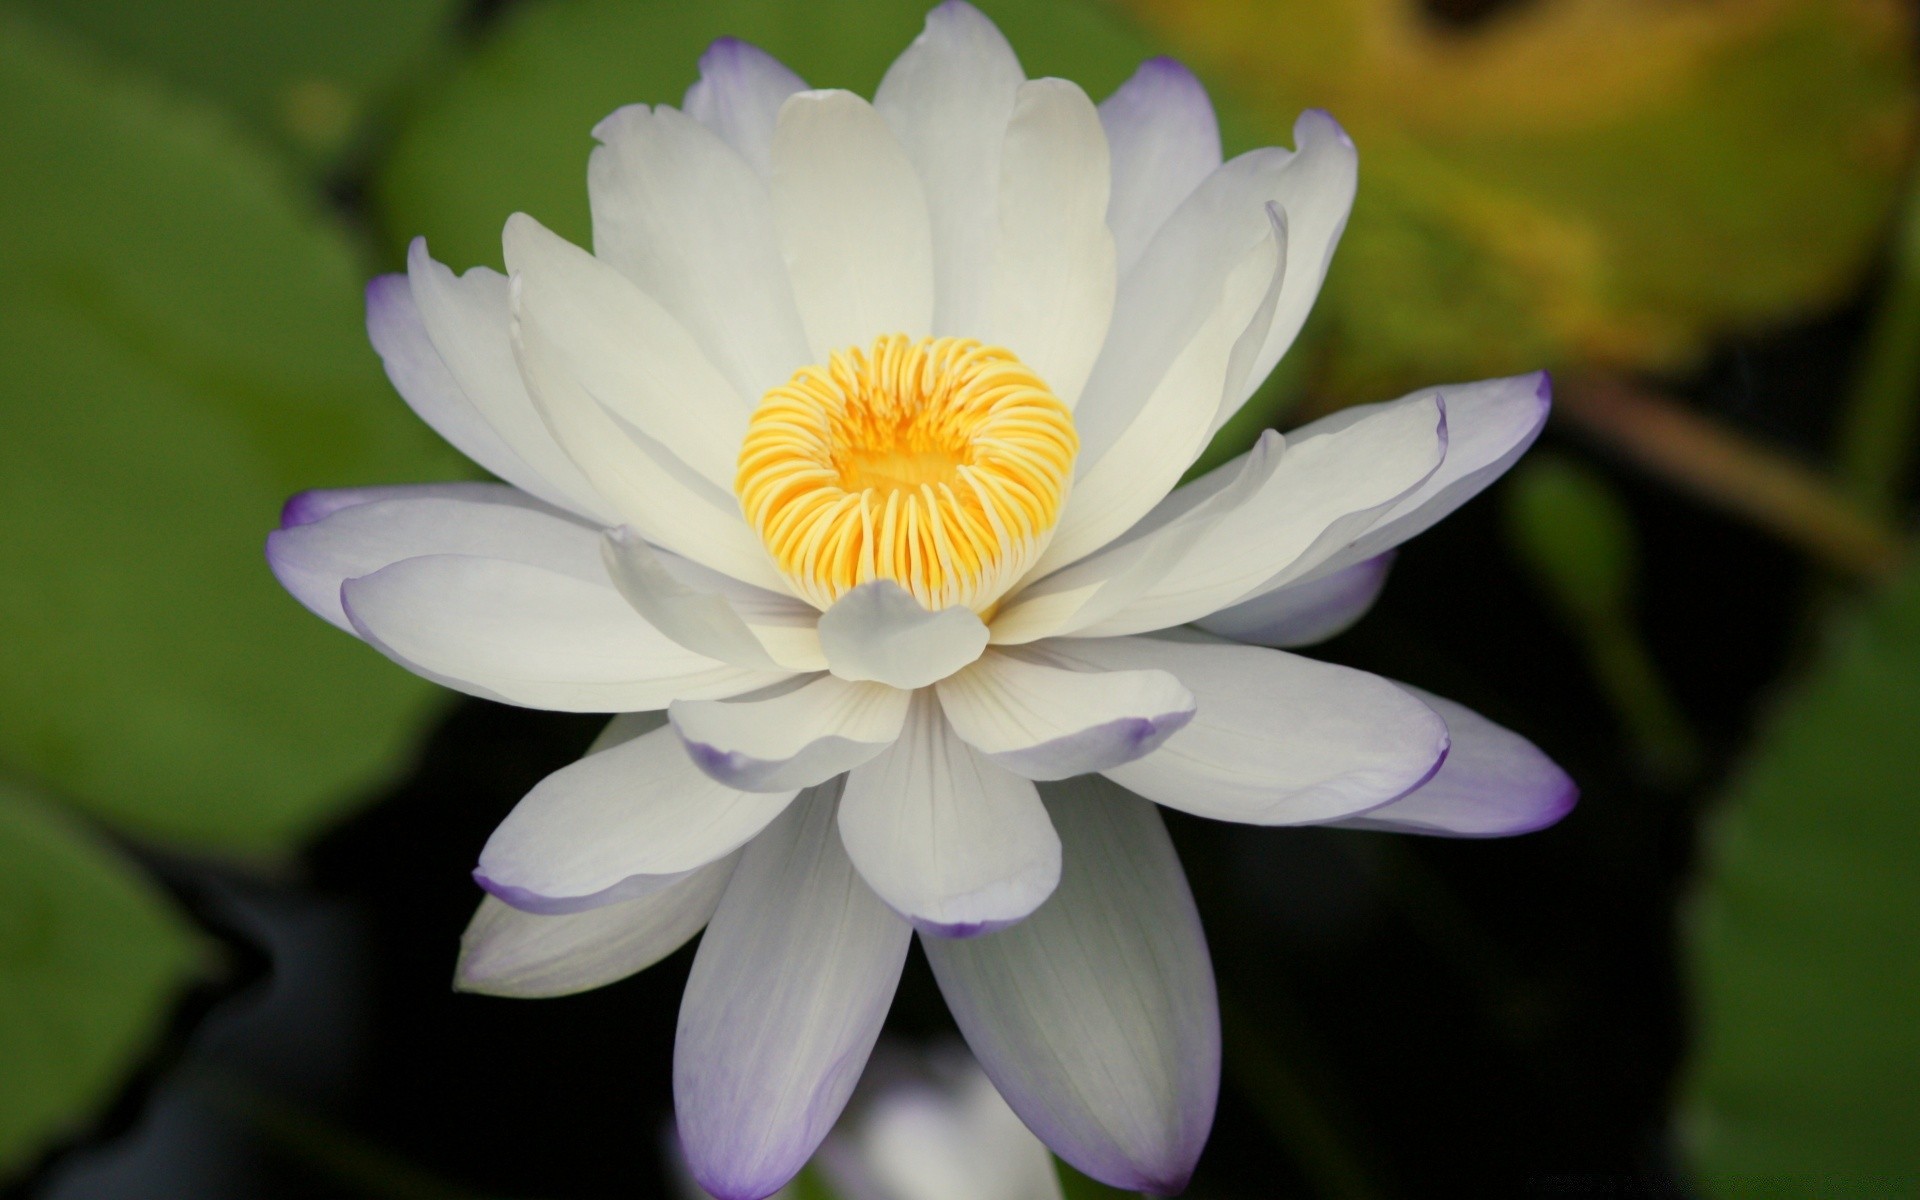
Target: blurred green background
<point>1699,215</point>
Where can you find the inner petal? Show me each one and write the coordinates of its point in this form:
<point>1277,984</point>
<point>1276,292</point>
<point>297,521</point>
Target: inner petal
<point>940,464</point>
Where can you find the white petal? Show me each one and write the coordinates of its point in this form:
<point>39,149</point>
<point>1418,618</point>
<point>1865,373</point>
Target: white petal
<point>738,96</point>
<point>1278,739</point>
<point>1050,722</point>
<point>1490,424</point>
<point>1169,293</point>
<point>1303,613</point>
<point>469,322</point>
<point>619,823</point>
<point>852,222</point>
<point>530,636</point>
<point>1165,141</point>
<point>948,98</point>
<point>626,351</point>
<point>1096,1016</point>
<point>879,632</point>
<point>788,992</point>
<point>507,952</point>
<point>683,215</point>
<point>1112,490</point>
<point>950,841</point>
<point>1299,513</point>
<point>313,557</point>
<point>1494,783</point>
<point>749,628</point>
<point>317,504</point>
<point>794,739</point>
<point>667,502</point>
<point>1053,260</point>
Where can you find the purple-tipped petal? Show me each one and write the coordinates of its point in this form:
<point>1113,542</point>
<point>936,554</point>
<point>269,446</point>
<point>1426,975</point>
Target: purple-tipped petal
<point>738,96</point>
<point>1494,783</point>
<point>1096,1016</point>
<point>611,826</point>
<point>1047,721</point>
<point>1164,140</point>
<point>1302,614</point>
<point>794,739</point>
<point>788,992</point>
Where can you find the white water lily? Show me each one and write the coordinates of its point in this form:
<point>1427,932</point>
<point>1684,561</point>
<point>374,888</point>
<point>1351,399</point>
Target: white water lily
<point>852,448</point>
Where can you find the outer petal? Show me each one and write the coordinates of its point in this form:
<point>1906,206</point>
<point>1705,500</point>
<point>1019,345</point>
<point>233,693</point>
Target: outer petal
<point>950,841</point>
<point>852,222</point>
<point>748,628</point>
<point>948,98</point>
<point>1171,290</point>
<point>317,504</point>
<point>683,215</point>
<point>627,351</point>
<point>794,739</point>
<point>1050,722</point>
<point>1302,614</point>
<point>1283,521</point>
<point>738,96</point>
<point>879,632</point>
<point>788,992</point>
<point>507,952</point>
<point>311,558</point>
<point>1053,264</point>
<point>620,823</point>
<point>1494,783</point>
<point>1165,141</point>
<point>1278,739</point>
<point>467,320</point>
<point>1096,1016</point>
<point>526,635</point>
<point>1489,426</point>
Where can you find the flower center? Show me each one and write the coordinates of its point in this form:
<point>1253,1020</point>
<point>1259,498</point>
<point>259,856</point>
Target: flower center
<point>940,464</point>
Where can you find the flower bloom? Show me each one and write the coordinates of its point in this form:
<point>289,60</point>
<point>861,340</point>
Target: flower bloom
<point>852,450</point>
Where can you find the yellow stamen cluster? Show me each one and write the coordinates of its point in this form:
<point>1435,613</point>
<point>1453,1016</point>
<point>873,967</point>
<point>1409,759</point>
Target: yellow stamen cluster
<point>940,464</point>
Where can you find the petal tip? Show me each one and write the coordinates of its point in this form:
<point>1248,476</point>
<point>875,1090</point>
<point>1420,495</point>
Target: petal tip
<point>1543,387</point>
<point>1316,122</point>
<point>301,508</point>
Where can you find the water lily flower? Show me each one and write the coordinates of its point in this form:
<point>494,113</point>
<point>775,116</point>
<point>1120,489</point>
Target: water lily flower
<point>844,470</point>
<point>938,1130</point>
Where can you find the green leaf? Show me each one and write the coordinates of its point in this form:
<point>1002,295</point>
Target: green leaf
<point>91,956</point>
<point>304,72</point>
<point>510,130</point>
<point>1575,534</point>
<point>1805,982</point>
<point>1577,182</point>
<point>184,348</point>
<point>1075,1186</point>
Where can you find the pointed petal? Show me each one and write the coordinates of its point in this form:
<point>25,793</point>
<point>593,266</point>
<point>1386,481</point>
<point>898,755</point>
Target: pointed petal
<point>950,841</point>
<point>1165,141</point>
<point>749,628</point>
<point>336,537</point>
<point>1278,739</point>
<point>1096,1016</point>
<point>522,634</point>
<point>618,824</point>
<point>685,217</point>
<point>507,952</point>
<point>852,222</point>
<point>794,739</point>
<point>1050,722</point>
<point>1053,262</point>
<point>948,99</point>
<point>738,96</point>
<point>467,320</point>
<point>879,632</point>
<point>1301,614</point>
<point>1494,783</point>
<point>788,992</point>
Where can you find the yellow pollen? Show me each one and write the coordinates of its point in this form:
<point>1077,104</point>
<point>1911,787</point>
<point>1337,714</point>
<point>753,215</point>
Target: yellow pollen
<point>940,464</point>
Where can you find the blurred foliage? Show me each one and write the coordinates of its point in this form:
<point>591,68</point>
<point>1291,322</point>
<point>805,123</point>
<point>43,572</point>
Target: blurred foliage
<point>1597,182</point>
<point>302,72</point>
<point>184,349</point>
<point>1578,540</point>
<point>90,954</point>
<point>1805,981</point>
